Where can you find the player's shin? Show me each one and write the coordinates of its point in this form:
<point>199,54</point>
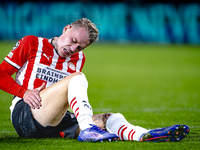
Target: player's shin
<point>117,124</point>
<point>78,101</point>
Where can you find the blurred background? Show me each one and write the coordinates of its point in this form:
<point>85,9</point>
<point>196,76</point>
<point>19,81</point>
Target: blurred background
<point>148,21</point>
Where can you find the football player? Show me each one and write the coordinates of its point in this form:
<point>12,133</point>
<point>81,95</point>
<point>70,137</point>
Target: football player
<point>49,81</point>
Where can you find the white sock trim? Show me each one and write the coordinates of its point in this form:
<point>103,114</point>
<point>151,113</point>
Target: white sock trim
<point>117,124</point>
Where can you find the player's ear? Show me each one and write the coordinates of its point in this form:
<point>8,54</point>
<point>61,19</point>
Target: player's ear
<point>66,28</point>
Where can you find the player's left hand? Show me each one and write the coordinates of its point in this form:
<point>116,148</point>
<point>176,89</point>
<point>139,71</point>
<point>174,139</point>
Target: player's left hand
<point>32,97</point>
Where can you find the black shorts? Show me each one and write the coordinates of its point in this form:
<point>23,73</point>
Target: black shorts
<point>27,126</point>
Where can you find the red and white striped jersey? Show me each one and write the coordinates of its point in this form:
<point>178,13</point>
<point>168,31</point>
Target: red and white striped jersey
<point>37,61</point>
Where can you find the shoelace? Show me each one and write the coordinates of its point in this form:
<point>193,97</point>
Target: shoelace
<point>94,127</point>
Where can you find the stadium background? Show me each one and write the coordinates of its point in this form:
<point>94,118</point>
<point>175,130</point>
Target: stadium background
<point>118,20</point>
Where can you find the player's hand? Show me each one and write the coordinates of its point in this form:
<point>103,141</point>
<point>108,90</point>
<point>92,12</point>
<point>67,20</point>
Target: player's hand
<point>32,97</point>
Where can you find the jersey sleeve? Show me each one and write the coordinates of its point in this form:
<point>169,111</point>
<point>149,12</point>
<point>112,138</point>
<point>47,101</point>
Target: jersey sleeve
<point>11,64</point>
<point>7,83</point>
<point>20,53</point>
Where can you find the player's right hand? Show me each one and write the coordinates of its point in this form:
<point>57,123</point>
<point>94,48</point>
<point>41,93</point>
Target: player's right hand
<point>32,97</point>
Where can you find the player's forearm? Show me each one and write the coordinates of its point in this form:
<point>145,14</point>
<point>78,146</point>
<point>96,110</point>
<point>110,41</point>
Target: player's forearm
<point>8,84</point>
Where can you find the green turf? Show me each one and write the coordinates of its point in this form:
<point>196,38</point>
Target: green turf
<point>152,85</point>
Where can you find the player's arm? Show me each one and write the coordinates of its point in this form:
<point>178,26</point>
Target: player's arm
<point>7,83</point>
<point>11,64</point>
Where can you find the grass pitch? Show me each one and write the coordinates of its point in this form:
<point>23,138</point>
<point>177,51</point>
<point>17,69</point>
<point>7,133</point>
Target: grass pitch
<point>151,85</point>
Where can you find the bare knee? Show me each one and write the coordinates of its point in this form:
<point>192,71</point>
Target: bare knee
<point>65,82</point>
<point>68,78</point>
<point>101,119</point>
<point>76,73</point>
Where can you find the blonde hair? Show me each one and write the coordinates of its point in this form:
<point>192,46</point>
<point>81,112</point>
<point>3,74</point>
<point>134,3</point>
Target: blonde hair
<point>91,28</point>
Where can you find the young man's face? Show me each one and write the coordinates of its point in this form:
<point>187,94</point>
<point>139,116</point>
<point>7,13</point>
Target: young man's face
<point>72,41</point>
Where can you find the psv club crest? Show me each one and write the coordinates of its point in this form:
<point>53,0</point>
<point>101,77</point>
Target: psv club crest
<point>72,66</point>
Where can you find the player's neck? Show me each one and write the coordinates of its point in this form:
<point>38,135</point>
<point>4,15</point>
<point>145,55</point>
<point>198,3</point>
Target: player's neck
<point>54,42</point>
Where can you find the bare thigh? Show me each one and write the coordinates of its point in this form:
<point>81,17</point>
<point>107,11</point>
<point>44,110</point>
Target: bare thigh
<point>54,103</point>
